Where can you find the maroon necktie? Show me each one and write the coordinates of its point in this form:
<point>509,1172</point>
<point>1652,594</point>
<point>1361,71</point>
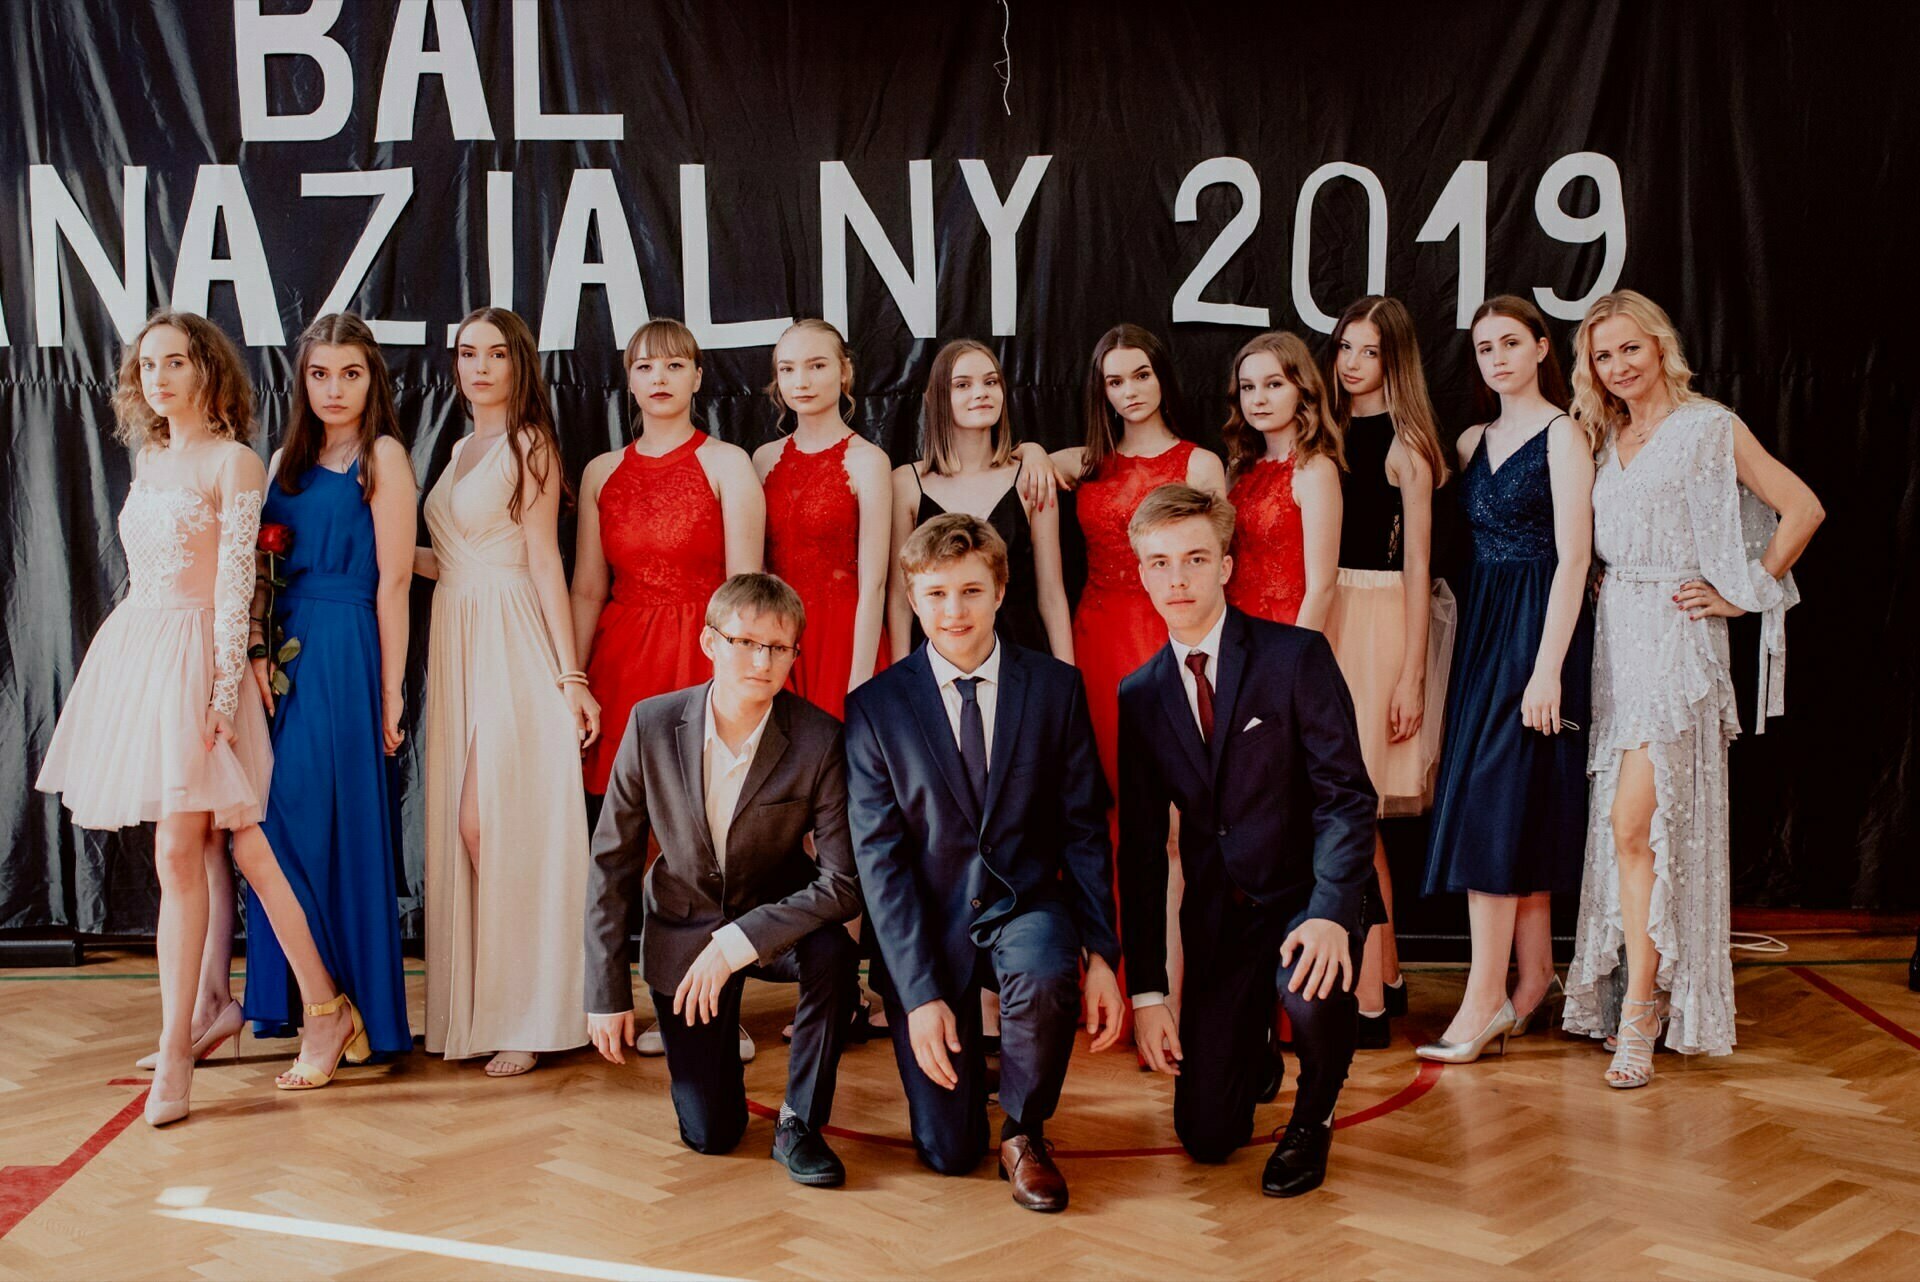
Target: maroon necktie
<point>1203,690</point>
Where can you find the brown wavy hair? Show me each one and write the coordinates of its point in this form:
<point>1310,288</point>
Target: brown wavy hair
<point>1408,403</point>
<point>936,423</point>
<point>1313,434</point>
<point>529,407</point>
<point>226,393</point>
<point>306,433</point>
<point>815,325</point>
<point>1103,430</point>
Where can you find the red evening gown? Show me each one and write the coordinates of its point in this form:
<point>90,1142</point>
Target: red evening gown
<point>813,542</point>
<point>1269,550</point>
<point>666,548</point>
<point>1116,628</point>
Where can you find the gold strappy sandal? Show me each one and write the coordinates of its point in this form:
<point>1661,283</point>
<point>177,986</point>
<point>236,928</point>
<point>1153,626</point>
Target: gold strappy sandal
<point>355,1050</point>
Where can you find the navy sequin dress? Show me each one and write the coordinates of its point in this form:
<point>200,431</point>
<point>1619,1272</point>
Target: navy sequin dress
<point>1510,804</point>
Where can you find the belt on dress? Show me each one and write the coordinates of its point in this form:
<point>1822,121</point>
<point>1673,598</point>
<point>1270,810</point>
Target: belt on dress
<point>1653,573</point>
<point>346,589</point>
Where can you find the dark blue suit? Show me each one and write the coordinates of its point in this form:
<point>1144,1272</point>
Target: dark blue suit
<point>1276,826</point>
<point>961,893</point>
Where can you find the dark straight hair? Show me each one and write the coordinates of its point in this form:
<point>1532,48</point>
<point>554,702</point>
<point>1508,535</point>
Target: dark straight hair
<point>1103,429</point>
<point>306,434</point>
<point>1553,383</point>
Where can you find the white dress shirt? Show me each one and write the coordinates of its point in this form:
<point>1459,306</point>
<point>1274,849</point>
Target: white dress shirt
<point>1209,645</point>
<point>987,692</point>
<point>723,774</point>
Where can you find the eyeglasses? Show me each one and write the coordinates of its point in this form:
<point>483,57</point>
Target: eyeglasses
<point>748,648</point>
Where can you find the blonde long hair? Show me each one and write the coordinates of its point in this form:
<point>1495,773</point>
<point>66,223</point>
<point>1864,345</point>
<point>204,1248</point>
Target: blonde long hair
<point>1408,404</point>
<point>1596,409</point>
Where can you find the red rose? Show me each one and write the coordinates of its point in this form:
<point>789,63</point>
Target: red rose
<point>276,539</point>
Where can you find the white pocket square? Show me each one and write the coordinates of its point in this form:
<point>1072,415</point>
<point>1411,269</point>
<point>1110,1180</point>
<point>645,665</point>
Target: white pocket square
<point>1250,725</point>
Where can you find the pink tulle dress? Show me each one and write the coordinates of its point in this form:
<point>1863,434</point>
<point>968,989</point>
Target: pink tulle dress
<point>130,746</point>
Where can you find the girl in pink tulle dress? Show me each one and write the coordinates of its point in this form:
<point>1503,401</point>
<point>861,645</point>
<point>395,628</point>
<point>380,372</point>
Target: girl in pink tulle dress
<point>165,723</point>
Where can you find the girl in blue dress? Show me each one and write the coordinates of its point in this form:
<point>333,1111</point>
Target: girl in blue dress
<point>344,486</point>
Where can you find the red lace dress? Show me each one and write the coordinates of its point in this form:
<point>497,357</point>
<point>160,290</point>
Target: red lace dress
<point>666,547</point>
<point>813,542</point>
<point>1269,551</point>
<point>1116,628</point>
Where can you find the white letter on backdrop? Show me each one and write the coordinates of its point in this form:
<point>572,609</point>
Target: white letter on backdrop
<point>257,37</point>
<point>592,199</point>
<point>1002,221</point>
<point>218,193</point>
<point>696,268</point>
<point>55,215</point>
<point>843,207</point>
<point>454,62</point>
<point>1303,237</point>
<point>529,122</point>
<point>394,187</point>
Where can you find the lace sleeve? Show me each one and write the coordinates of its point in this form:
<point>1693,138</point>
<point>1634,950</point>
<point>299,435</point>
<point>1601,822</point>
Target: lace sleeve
<point>1732,528</point>
<point>233,592</point>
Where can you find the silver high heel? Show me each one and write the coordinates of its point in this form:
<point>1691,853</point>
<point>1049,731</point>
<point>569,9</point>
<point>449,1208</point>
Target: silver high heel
<point>1446,1052</point>
<point>1523,1023</point>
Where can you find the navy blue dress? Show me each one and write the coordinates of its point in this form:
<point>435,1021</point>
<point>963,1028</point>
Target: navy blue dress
<point>328,811</point>
<point>1510,804</point>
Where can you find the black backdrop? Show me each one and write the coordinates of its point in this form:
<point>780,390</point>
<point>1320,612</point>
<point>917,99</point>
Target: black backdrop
<point>1760,152</point>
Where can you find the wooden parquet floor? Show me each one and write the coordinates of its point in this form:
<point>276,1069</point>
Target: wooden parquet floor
<point>1797,1157</point>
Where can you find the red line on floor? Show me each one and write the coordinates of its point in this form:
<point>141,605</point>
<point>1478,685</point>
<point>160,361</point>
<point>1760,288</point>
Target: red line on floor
<point>1423,1081</point>
<point>1857,1006</point>
<point>24,1188</point>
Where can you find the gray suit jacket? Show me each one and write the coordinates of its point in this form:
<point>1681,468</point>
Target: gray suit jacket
<point>770,887</point>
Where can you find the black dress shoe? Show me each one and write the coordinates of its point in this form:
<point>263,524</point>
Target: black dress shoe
<point>1396,997</point>
<point>1299,1161</point>
<point>1376,1032</point>
<point>804,1152</point>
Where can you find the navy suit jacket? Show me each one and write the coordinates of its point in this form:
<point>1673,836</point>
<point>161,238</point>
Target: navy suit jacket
<point>1278,807</point>
<point>941,875</point>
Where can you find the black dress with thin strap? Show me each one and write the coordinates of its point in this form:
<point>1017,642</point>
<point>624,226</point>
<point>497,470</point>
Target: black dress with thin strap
<point>1019,619</point>
<point>1370,514</point>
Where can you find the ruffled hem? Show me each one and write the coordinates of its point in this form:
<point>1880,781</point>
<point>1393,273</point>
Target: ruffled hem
<point>128,748</point>
<point>1695,687</point>
<point>1700,989</point>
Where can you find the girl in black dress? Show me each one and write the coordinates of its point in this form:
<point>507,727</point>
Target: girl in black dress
<point>969,465</point>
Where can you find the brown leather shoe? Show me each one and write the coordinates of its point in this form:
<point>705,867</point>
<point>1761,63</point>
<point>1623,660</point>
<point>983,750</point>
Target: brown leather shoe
<point>1037,1182</point>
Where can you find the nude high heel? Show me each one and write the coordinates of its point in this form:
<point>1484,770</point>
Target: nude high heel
<point>1445,1052</point>
<point>208,1042</point>
<point>165,1112</point>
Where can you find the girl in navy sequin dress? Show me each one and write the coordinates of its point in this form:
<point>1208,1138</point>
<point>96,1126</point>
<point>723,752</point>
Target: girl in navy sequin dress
<point>1510,801</point>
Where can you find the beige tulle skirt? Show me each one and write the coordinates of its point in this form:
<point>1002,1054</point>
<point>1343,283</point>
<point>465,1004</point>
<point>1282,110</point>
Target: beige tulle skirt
<point>1367,629</point>
<point>130,745</point>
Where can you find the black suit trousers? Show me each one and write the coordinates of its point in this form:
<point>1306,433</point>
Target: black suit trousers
<point>709,1082</point>
<point>1233,975</point>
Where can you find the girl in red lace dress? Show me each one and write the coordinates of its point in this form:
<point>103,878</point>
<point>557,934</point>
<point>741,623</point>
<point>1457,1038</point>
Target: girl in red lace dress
<point>829,496</point>
<point>1285,462</point>
<point>1133,446</point>
<point>663,522</point>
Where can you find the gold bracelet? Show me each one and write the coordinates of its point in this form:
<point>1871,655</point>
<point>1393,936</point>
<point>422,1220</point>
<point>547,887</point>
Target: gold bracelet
<point>571,679</point>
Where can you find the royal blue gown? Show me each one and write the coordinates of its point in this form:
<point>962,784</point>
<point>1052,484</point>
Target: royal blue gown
<point>1510,804</point>
<point>329,814</point>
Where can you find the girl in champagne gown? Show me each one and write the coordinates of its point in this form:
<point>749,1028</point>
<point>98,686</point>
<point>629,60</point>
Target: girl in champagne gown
<point>507,720</point>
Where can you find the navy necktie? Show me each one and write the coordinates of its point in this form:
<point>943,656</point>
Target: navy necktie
<point>973,736</point>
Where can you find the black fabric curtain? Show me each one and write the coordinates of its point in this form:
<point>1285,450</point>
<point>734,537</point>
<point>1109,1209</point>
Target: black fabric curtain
<point>1024,173</point>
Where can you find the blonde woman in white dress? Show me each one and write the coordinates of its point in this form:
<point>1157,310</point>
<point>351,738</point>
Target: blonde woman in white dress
<point>1685,526</point>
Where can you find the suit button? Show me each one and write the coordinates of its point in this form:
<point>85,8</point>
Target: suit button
<point>1221,831</point>
<point>986,848</point>
<point>975,903</point>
